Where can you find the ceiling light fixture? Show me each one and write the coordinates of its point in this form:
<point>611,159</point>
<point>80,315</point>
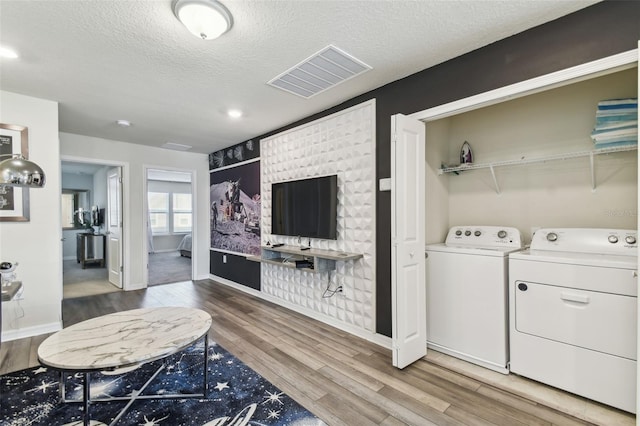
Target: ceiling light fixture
<point>206,19</point>
<point>123,123</point>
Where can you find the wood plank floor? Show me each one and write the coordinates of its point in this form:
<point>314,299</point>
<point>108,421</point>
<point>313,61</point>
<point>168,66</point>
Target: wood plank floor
<point>342,379</point>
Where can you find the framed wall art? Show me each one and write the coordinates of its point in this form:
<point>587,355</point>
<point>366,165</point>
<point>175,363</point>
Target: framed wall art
<point>14,202</point>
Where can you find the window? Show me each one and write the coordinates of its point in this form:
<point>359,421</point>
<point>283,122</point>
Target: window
<point>159,212</point>
<point>181,212</point>
<point>170,213</point>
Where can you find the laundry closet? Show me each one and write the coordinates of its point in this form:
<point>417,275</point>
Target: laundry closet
<point>556,193</point>
<point>533,167</point>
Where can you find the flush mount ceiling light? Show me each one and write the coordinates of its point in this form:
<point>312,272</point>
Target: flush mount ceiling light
<point>206,19</point>
<point>123,123</point>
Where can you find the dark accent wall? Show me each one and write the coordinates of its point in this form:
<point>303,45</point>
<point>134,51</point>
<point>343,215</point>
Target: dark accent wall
<point>237,269</point>
<point>601,30</point>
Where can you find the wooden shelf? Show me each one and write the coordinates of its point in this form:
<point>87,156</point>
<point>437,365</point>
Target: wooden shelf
<point>323,260</point>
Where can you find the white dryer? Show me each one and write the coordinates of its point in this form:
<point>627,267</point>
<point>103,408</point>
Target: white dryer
<point>466,284</point>
<point>573,312</point>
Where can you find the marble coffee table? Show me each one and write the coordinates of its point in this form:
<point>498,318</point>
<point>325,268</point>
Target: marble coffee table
<point>124,339</point>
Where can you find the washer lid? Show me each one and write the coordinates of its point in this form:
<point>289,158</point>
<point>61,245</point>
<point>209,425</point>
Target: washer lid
<point>477,251</point>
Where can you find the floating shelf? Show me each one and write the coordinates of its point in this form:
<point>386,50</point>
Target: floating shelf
<point>523,160</point>
<point>323,260</point>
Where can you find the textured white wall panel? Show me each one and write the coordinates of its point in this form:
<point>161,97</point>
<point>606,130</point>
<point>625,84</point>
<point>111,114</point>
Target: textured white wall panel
<point>342,144</point>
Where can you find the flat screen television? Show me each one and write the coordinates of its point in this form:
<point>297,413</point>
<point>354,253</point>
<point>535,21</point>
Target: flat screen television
<point>306,208</point>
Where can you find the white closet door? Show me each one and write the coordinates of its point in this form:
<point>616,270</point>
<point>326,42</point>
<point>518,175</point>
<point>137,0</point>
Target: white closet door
<point>114,221</point>
<point>409,310</point>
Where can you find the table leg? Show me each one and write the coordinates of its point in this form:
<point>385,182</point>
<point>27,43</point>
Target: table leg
<point>86,396</point>
<point>62,387</point>
<point>205,387</point>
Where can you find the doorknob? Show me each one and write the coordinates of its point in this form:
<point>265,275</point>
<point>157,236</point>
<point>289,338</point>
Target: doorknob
<point>411,254</point>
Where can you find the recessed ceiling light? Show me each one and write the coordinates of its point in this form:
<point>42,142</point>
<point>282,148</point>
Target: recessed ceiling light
<point>123,123</point>
<point>234,113</point>
<point>5,52</point>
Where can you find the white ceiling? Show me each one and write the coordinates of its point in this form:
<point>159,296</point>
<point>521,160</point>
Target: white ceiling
<point>105,60</point>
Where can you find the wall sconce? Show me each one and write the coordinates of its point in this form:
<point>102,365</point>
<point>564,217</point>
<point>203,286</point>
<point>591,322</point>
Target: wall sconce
<point>18,171</point>
<point>206,19</point>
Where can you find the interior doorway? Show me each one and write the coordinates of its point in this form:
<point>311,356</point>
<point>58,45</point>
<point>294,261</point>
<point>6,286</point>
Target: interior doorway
<point>170,219</point>
<point>85,203</point>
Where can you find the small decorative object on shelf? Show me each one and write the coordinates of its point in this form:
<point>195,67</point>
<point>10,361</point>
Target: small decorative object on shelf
<point>466,155</point>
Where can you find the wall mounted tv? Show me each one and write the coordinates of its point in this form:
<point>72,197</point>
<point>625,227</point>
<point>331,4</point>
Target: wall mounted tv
<point>306,208</point>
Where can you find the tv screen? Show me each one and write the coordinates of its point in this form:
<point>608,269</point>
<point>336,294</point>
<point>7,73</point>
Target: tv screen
<point>306,208</point>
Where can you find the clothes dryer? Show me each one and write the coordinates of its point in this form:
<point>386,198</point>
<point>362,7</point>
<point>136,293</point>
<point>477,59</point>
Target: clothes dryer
<point>466,283</point>
<point>573,312</point>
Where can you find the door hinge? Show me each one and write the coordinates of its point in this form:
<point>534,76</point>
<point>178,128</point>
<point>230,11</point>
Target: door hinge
<point>122,269</point>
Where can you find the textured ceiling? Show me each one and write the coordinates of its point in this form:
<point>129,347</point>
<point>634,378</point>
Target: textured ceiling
<point>105,60</point>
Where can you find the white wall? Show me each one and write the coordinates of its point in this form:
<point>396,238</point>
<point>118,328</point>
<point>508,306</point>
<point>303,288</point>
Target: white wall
<point>552,194</point>
<point>343,144</point>
<point>35,245</point>
<point>137,157</point>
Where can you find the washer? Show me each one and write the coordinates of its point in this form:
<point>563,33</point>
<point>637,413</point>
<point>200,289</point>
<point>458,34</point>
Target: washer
<point>573,312</point>
<point>467,294</point>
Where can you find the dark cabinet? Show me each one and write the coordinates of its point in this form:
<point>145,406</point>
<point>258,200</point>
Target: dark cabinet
<point>91,249</point>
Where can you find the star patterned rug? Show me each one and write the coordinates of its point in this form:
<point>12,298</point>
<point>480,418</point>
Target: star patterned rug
<point>237,395</point>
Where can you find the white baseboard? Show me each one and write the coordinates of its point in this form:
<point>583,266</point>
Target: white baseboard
<point>31,331</point>
<point>376,338</point>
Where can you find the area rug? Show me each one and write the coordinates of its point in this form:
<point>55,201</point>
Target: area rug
<point>237,395</point>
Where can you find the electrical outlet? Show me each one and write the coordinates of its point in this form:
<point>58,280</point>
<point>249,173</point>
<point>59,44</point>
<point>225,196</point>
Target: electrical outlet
<point>342,291</point>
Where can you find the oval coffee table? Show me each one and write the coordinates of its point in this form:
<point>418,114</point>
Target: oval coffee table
<point>124,339</point>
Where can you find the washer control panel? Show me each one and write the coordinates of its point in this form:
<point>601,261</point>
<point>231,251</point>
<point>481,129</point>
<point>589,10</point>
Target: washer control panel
<point>484,236</point>
<point>587,240</point>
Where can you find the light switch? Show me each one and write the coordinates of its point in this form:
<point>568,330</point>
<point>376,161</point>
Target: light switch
<point>385,184</point>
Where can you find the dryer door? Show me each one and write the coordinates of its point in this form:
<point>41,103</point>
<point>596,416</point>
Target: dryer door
<point>588,319</point>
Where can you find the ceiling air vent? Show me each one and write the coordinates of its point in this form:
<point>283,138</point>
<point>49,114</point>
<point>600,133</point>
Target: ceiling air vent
<point>176,146</point>
<point>323,70</point>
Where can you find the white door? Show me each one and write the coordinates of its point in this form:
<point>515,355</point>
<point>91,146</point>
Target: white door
<point>408,297</point>
<point>114,222</point>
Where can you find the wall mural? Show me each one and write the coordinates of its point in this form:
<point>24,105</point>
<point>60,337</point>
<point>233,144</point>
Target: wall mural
<point>235,154</point>
<point>235,208</point>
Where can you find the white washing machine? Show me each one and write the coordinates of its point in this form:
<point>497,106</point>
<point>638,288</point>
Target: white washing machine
<point>467,294</point>
<point>573,312</point>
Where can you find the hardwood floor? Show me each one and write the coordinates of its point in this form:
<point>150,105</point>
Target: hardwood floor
<point>342,379</point>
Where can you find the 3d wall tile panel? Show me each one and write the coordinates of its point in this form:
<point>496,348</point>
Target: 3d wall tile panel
<point>342,144</point>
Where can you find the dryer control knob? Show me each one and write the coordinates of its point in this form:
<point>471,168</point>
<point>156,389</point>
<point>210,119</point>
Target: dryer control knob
<point>467,233</point>
<point>502,234</point>
<point>458,232</point>
<point>630,239</point>
<point>613,239</point>
<point>477,233</point>
<point>552,236</point>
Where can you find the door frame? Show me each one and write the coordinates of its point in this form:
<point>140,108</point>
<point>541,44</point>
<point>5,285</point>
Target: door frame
<point>145,217</point>
<point>126,213</point>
